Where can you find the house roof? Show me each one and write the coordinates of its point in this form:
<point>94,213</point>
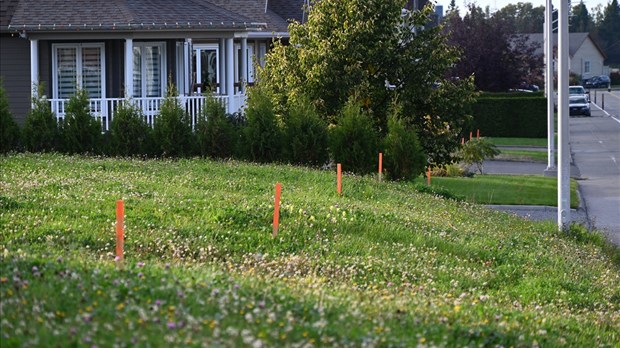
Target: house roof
<point>290,10</point>
<point>256,10</point>
<point>136,15</point>
<point>575,40</point>
<point>7,8</point>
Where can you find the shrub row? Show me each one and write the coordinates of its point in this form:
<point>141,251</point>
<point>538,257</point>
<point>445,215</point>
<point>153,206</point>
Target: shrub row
<point>507,116</point>
<point>298,136</point>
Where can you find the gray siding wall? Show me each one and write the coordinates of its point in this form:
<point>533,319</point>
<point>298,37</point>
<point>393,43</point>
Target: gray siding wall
<point>15,73</point>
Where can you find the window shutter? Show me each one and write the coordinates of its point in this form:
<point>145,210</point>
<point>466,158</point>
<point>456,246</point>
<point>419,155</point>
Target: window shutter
<point>67,72</point>
<point>137,71</point>
<point>153,71</point>
<point>91,71</point>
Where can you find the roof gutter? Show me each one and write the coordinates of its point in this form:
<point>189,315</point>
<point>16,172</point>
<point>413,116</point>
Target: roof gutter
<point>268,35</point>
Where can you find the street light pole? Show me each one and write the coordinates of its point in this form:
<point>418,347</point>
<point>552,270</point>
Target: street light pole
<point>548,29</point>
<point>563,114</point>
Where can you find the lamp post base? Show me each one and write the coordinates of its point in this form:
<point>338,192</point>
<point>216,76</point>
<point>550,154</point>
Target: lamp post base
<point>551,172</point>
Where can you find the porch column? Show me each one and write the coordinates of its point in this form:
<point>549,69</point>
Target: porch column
<point>34,68</point>
<point>222,65</point>
<point>128,68</point>
<point>243,69</point>
<point>230,74</point>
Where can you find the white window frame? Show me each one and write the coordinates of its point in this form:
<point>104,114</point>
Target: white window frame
<point>78,47</point>
<point>198,62</point>
<point>163,67</point>
<point>587,66</point>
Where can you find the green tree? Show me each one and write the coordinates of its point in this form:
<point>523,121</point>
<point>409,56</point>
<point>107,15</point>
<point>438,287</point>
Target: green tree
<point>262,134</point>
<point>215,133</point>
<point>41,130</point>
<point>580,21</point>
<point>367,48</point>
<point>609,32</point>
<point>354,141</point>
<point>130,133</point>
<point>172,130</point>
<point>80,131</point>
<point>476,151</point>
<point>498,59</point>
<point>404,158</point>
<point>521,18</point>
<point>305,134</point>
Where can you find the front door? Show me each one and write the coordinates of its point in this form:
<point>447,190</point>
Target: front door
<point>205,68</point>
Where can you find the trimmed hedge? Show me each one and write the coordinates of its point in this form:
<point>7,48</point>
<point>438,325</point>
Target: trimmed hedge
<point>507,116</point>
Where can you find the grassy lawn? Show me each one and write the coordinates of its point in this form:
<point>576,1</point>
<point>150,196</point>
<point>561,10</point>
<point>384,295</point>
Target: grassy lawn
<point>507,189</point>
<point>541,142</point>
<point>382,265</point>
<point>523,155</point>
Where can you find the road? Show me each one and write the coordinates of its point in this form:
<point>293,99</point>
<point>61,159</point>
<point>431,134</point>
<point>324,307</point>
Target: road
<point>595,149</point>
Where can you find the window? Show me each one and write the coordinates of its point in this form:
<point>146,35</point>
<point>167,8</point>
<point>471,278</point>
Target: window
<point>586,67</point>
<point>149,69</point>
<point>205,67</point>
<point>76,66</point>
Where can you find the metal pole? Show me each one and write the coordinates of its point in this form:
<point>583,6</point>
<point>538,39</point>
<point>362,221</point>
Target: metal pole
<point>563,114</point>
<point>603,101</point>
<point>551,168</point>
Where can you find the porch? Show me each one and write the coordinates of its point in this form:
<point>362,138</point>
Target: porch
<point>104,109</point>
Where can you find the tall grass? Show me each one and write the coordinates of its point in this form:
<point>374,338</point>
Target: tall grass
<point>383,265</point>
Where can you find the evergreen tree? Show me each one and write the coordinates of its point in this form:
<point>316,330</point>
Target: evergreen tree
<point>609,32</point>
<point>580,21</point>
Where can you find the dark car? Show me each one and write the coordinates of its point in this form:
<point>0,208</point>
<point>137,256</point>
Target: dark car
<point>579,105</point>
<point>601,81</point>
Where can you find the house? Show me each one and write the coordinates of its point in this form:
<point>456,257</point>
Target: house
<point>134,48</point>
<point>586,57</point>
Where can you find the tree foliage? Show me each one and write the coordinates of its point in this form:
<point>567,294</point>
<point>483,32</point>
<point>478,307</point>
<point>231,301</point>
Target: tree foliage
<point>173,131</point>
<point>369,49</point>
<point>498,59</point>
<point>476,151</point>
<point>80,131</point>
<point>580,21</point>
<point>404,158</point>
<point>521,18</point>
<point>41,131</point>
<point>130,133</point>
<point>609,32</point>
<point>215,134</point>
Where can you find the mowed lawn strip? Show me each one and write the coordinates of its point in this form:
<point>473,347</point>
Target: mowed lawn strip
<point>499,141</point>
<point>522,155</point>
<point>380,265</point>
<point>507,189</point>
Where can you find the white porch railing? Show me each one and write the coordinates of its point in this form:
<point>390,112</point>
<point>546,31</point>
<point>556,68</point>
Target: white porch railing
<point>104,109</point>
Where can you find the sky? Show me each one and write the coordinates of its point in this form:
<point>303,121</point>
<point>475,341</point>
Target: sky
<point>498,4</point>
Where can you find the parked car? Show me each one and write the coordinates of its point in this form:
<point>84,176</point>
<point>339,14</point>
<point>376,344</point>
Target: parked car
<point>578,105</point>
<point>529,87</point>
<point>601,81</point>
<point>578,91</point>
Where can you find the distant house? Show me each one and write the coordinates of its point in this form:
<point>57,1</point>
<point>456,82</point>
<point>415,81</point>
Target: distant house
<point>134,48</point>
<point>586,57</point>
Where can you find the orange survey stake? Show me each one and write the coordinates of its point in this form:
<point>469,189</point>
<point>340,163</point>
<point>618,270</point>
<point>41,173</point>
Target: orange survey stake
<point>339,179</point>
<point>120,232</point>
